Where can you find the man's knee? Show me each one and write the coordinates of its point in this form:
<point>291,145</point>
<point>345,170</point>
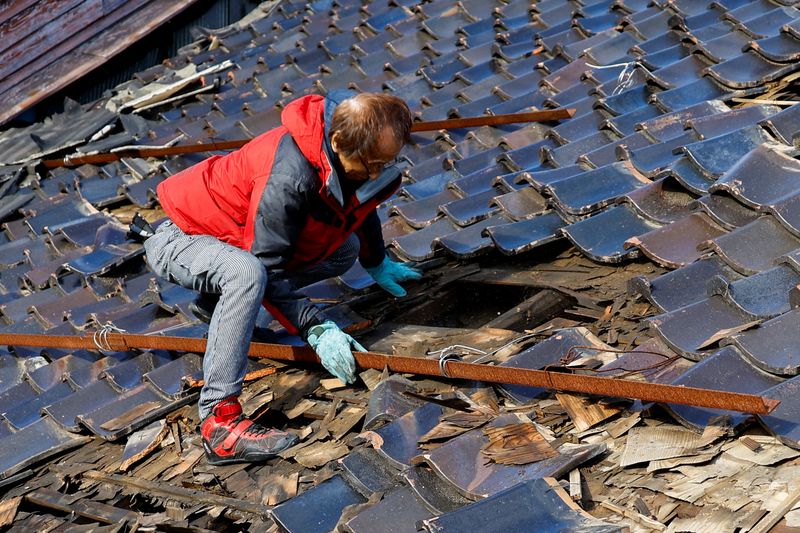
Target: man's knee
<point>247,271</point>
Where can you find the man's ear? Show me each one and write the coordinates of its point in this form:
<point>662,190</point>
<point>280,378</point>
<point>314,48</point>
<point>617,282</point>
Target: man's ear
<point>335,141</point>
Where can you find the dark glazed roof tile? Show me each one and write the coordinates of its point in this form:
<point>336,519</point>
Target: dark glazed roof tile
<point>577,127</point>
<point>781,48</point>
<point>716,155</point>
<point>368,471</point>
<point>419,245</point>
<point>537,507</point>
<point>722,48</point>
<point>651,160</point>
<point>171,377</point>
<point>400,436</point>
<point>518,237</point>
<point>688,175</point>
<point>625,102</point>
<point>691,94</point>
<point>726,211</point>
<point>684,286</point>
<point>420,213</point>
<point>27,413</point>
<point>763,295</point>
<point>769,23</point>
<point>460,462</point>
<point>38,441</point>
<point>470,241</point>
<point>749,70</point>
<point>606,155</point>
<point>680,73</point>
<point>388,401</point>
<point>602,236</point>
<point>569,153</point>
<point>521,204</point>
<point>55,372</point>
<point>130,411</point>
<point>82,402</point>
<point>725,370</point>
<point>773,345</point>
<point>625,125</point>
<point>318,509</point>
<point>756,246</point>
<point>783,421</point>
<point>675,245</point>
<point>783,125</point>
<point>471,209</point>
<point>730,121</point>
<point>763,177</point>
<point>690,329</point>
<point>670,125</point>
<point>594,189</point>
<point>399,510</point>
<point>663,200</point>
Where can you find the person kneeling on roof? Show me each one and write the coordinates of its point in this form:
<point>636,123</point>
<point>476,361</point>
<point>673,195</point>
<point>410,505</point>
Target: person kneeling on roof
<point>294,206</point>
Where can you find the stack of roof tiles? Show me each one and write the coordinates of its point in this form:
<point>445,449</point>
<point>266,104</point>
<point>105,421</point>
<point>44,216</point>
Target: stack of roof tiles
<point>669,158</point>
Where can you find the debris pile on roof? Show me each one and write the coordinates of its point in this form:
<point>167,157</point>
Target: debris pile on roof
<point>653,236</point>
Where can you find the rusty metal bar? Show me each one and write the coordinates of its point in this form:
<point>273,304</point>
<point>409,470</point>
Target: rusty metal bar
<point>612,387</point>
<point>453,123</point>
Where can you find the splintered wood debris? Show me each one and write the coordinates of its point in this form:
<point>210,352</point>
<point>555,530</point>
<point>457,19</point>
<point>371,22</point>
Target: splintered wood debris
<point>516,444</point>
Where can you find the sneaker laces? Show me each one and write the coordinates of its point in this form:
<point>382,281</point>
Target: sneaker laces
<point>255,429</point>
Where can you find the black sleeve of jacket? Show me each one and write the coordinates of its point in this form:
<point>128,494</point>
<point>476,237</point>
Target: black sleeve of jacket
<point>370,235</point>
<point>284,202</point>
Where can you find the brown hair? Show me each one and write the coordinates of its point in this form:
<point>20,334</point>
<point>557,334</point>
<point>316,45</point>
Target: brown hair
<point>360,119</point>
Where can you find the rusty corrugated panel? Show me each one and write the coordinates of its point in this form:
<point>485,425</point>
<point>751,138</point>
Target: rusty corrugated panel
<point>78,38</point>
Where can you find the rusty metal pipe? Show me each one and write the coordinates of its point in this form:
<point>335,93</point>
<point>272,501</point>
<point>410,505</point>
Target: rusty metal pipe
<point>611,387</point>
<point>434,125</point>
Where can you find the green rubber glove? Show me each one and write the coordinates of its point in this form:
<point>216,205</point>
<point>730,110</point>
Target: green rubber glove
<point>333,346</point>
<point>389,273</point>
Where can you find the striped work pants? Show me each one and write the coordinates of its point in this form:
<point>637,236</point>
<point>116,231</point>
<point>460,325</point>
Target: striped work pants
<point>206,264</point>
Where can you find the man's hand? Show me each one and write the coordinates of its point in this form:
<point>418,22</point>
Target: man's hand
<point>388,275</point>
<point>333,346</point>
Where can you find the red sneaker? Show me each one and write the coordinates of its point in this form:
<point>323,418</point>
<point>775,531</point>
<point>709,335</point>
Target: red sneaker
<point>229,437</point>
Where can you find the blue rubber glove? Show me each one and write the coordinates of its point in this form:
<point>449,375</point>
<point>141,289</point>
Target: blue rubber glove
<point>389,273</point>
<point>333,348</point>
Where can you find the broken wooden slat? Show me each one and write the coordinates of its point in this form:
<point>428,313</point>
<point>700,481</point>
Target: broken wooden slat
<point>654,443</point>
<point>636,517</point>
<point>575,489</point>
<point>8,510</point>
<point>586,413</point>
<point>279,488</point>
<point>321,453</point>
<point>97,511</point>
<point>167,490</point>
<point>516,444</point>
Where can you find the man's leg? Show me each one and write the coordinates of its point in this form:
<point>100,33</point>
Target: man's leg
<point>208,265</point>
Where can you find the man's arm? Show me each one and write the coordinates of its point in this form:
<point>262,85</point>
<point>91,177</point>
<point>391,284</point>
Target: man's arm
<point>370,235</point>
<point>280,218</point>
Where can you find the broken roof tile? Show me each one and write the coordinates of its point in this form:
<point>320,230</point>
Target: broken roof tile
<point>537,504</point>
<point>400,436</point>
<point>399,509</point>
<point>460,462</point>
<point>318,509</point>
<point>35,442</point>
